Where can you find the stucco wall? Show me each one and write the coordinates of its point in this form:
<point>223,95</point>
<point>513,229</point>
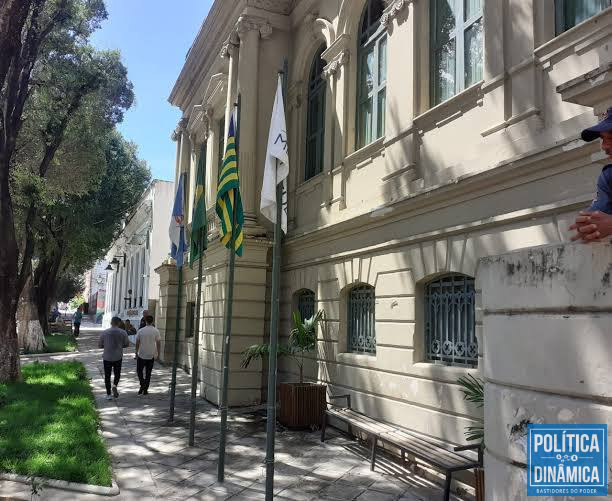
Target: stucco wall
<point>546,315</point>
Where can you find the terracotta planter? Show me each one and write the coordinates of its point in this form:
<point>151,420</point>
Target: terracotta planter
<point>301,404</point>
<point>480,489</point>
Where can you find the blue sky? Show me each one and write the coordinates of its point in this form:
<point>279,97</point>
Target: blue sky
<point>153,37</point>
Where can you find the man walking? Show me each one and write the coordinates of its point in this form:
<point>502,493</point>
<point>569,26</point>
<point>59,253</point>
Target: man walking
<point>113,341</point>
<point>143,320</point>
<point>78,317</point>
<point>148,347</point>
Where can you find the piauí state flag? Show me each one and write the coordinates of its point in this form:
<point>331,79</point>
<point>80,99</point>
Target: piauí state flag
<point>228,195</point>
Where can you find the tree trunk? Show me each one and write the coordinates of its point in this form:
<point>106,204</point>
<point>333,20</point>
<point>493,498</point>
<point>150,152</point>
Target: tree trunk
<point>9,294</point>
<point>30,334</point>
<point>13,15</point>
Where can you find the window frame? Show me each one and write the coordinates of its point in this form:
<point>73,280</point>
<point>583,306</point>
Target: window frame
<point>469,321</point>
<point>299,296</point>
<point>373,37</point>
<point>316,91</point>
<point>561,25</point>
<point>436,43</point>
<point>190,311</point>
<point>370,323</point>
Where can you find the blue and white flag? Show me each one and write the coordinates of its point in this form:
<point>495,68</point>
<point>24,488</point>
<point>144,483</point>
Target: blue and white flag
<point>177,228</point>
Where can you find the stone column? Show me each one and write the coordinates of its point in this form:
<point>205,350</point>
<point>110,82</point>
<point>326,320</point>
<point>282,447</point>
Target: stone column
<point>248,29</point>
<point>230,50</point>
<point>191,178</point>
<point>546,317</point>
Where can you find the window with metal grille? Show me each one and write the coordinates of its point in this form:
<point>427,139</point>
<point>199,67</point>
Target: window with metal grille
<point>449,321</point>
<point>360,320</point>
<point>372,69</point>
<point>315,120</point>
<point>306,304</point>
<point>569,13</point>
<point>456,47</point>
<point>190,319</point>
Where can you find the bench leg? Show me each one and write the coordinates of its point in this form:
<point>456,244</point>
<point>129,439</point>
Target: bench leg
<point>323,423</point>
<point>373,452</point>
<point>447,486</point>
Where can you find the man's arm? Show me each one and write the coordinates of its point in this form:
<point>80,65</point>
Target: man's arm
<point>126,340</point>
<point>158,344</point>
<point>596,223</point>
<point>137,342</point>
<point>101,341</point>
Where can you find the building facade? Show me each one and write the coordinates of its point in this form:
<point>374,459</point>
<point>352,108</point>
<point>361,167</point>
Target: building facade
<point>95,289</point>
<point>142,245</point>
<point>423,136</point>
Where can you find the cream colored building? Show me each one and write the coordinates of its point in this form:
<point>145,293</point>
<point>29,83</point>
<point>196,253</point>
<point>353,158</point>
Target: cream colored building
<point>424,135</point>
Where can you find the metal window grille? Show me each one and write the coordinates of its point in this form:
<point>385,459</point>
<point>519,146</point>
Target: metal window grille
<point>361,318</point>
<point>315,120</point>
<point>305,304</point>
<point>569,13</point>
<point>372,70</point>
<point>449,321</point>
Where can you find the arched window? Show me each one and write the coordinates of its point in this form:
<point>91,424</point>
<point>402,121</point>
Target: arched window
<point>372,68</point>
<point>449,321</point>
<point>305,302</point>
<point>315,122</point>
<point>360,320</point>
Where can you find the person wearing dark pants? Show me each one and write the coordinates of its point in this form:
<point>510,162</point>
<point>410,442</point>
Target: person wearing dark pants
<point>113,341</point>
<point>148,346</point>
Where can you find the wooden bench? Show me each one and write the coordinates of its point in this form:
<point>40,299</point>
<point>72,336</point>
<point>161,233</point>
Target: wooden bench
<point>427,449</point>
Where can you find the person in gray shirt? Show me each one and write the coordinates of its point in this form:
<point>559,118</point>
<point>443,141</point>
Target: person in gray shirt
<point>113,341</point>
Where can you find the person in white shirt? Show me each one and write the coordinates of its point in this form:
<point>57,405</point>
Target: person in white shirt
<point>148,347</point>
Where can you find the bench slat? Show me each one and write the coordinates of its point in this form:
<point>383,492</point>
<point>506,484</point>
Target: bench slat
<point>421,447</point>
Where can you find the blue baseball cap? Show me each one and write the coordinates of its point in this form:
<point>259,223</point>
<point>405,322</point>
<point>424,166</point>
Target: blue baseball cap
<point>605,125</point>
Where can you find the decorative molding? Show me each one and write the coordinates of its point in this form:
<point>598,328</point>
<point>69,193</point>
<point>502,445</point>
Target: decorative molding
<point>180,127</point>
<point>277,6</point>
<point>320,26</point>
<point>340,44</point>
<point>394,8</point>
<point>332,68</point>
<point>247,23</point>
<point>215,94</point>
<point>228,49</point>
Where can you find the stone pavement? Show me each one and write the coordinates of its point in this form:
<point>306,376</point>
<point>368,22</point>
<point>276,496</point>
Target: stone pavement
<point>153,461</point>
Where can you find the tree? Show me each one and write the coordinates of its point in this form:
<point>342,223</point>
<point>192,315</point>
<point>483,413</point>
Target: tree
<point>37,32</point>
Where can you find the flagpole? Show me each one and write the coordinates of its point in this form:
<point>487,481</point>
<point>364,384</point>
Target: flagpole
<point>176,336</point>
<point>226,337</point>
<point>196,341</point>
<point>272,363</point>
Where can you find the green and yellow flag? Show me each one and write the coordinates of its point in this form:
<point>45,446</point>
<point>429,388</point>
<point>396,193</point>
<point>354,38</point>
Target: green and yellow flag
<point>198,225</point>
<point>228,195</point>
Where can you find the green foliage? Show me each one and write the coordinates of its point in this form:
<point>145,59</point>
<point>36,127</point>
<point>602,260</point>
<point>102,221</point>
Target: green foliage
<point>303,339</point>
<point>59,343</point>
<point>69,285</point>
<point>76,301</point>
<point>48,426</point>
<point>473,391</point>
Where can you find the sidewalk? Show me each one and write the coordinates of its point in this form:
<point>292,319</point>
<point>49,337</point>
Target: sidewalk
<point>153,461</point>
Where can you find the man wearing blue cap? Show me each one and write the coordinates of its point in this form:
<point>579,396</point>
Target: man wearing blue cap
<point>595,224</point>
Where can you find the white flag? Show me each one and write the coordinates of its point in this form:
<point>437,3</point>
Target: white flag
<point>277,162</point>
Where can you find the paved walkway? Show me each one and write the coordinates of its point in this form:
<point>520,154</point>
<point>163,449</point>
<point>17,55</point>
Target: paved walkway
<point>153,461</point>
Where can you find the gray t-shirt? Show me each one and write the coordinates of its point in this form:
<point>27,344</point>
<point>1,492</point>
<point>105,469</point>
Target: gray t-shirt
<point>147,338</point>
<point>113,341</point>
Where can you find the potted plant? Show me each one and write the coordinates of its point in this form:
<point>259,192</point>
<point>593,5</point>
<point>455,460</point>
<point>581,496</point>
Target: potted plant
<point>473,391</point>
<point>301,404</point>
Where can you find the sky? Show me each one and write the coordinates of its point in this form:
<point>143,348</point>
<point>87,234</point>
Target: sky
<point>153,37</point>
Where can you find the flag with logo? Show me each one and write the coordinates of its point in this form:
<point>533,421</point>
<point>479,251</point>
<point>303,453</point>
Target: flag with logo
<point>276,167</point>
<point>177,229</point>
<point>229,203</point>
<point>198,224</point>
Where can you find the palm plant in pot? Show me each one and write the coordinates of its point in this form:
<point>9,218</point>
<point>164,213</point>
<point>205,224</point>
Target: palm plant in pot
<point>301,404</point>
<point>473,391</point>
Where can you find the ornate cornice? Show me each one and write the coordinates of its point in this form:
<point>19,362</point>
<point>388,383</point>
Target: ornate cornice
<point>394,8</point>
<point>180,127</point>
<point>332,68</point>
<point>277,6</point>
